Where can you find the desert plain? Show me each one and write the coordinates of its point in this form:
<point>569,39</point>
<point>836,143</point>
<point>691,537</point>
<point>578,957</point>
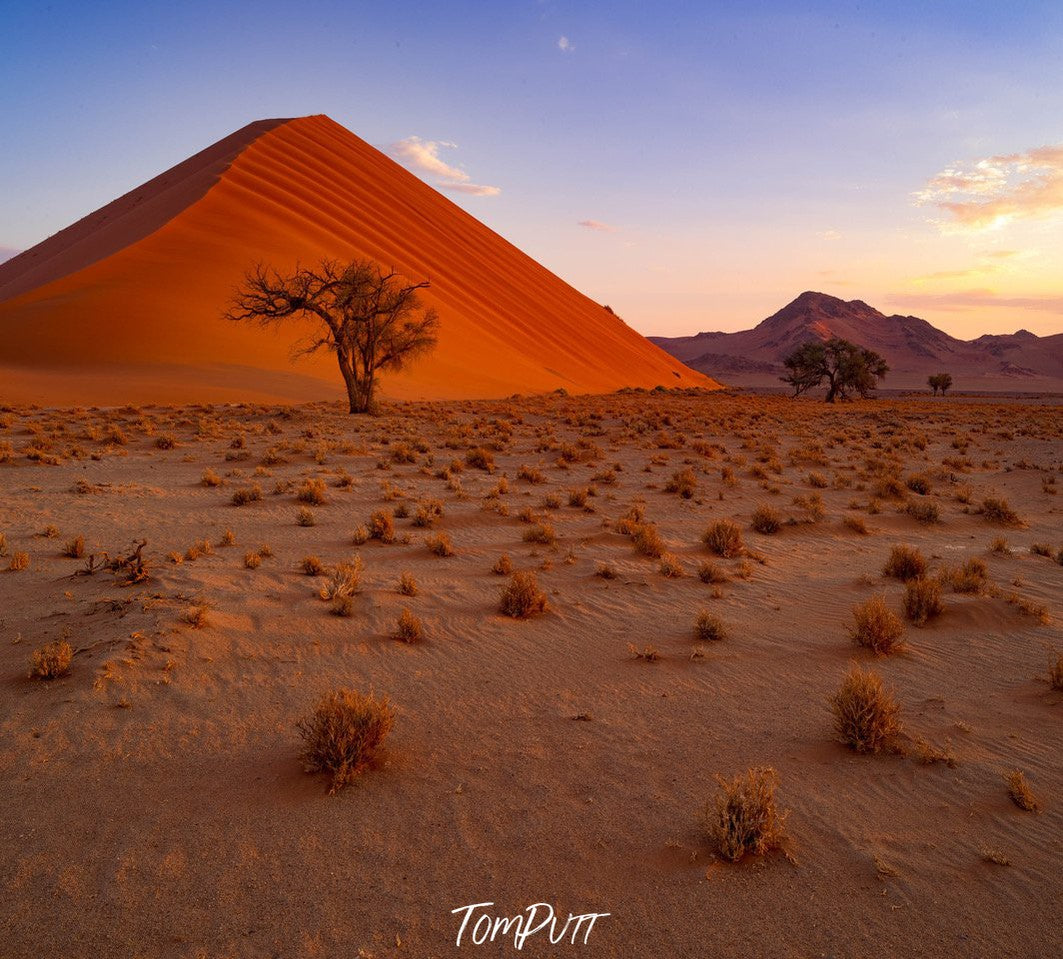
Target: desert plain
<point>155,802</point>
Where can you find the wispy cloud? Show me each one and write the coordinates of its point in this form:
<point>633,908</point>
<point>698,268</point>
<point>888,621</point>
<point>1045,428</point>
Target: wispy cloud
<point>599,226</point>
<point>963,300</point>
<point>565,45</point>
<point>994,191</point>
<point>829,235</point>
<point>422,156</point>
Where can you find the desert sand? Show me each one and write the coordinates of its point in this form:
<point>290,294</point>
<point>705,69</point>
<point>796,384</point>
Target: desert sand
<point>125,306</point>
<point>154,800</point>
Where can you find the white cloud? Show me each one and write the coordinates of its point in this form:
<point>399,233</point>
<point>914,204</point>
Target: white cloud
<point>422,156</point>
<point>829,235</point>
<point>994,191</point>
<point>565,45</point>
<point>598,225</point>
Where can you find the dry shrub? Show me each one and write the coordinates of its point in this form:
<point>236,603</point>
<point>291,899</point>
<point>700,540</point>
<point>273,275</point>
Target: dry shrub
<point>407,584</point>
<point>503,566</point>
<point>312,566</point>
<point>247,494</point>
<point>522,597</point>
<point>971,577</point>
<point>724,538</point>
<point>648,654</point>
<point>905,563</point>
<point>480,458</point>
<point>709,628</point>
<point>382,526</point>
<point>671,567</point>
<point>876,626</point>
<point>922,600</point>
<point>866,716</point>
<point>577,498</point>
<point>765,520</point>
<point>305,517</point>
<point>313,492</point>
<point>439,545</point>
<point>856,524</point>
<point>75,549</point>
<point>196,617</point>
<point>51,660</point>
<point>744,817</point>
<point>228,538</point>
<point>343,734</point>
<point>427,513</point>
<point>360,536</point>
<point>647,541</point>
<point>997,510</point>
<point>210,478</point>
<point>1000,546</point>
<point>925,513</point>
<point>683,482</point>
<point>918,483</point>
<point>542,533</point>
<point>252,559</point>
<point>166,441</point>
<point>531,474</point>
<point>606,571</point>
<point>1020,792</point>
<point>409,628</point>
<point>711,573</point>
<point>343,581</point>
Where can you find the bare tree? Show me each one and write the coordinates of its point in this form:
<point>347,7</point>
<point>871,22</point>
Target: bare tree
<point>845,367</point>
<point>371,320</point>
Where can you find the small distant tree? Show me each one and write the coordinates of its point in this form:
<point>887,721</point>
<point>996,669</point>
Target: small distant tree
<point>845,367</point>
<point>939,382</point>
<point>371,320</point>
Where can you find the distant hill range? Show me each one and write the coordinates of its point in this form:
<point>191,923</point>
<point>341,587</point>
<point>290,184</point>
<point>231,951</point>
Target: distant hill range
<point>913,348</point>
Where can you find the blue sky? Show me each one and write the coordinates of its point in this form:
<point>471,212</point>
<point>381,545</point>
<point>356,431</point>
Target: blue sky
<point>725,156</point>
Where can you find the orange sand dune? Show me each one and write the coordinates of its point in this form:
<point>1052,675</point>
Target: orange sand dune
<point>124,306</point>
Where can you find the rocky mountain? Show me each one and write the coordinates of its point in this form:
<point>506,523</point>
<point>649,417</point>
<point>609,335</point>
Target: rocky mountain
<point>912,347</point>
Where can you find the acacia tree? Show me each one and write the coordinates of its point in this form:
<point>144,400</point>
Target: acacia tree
<point>939,381</point>
<point>845,367</point>
<point>371,320</point>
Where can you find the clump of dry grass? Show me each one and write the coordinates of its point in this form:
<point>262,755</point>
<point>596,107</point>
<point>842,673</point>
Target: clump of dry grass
<point>382,526</point>
<point>360,536</point>
<point>711,573</point>
<point>671,567</point>
<point>313,492</point>
<point>407,584</point>
<point>765,520</point>
<point>246,494</point>
<point>252,559</point>
<point>971,577</point>
<point>998,510</point>
<point>480,458</point>
<point>305,517</point>
<point>606,571</point>
<point>922,600</point>
<point>522,597</point>
<point>683,482</point>
<point>428,511</point>
<point>647,541</point>
<point>228,538</point>
<point>925,513</point>
<point>856,524</point>
<point>344,733</point>
<point>51,660</point>
<point>866,716</point>
<point>744,817</point>
<point>905,563</point>
<point>503,566</point>
<point>439,545</point>
<point>1000,546</point>
<point>409,628</point>
<point>210,478</point>
<point>709,628</point>
<point>312,566</point>
<point>75,549</point>
<point>341,585</point>
<point>196,616</point>
<point>724,538</point>
<point>1020,792</point>
<point>876,626</point>
<point>648,653</point>
<point>541,533</point>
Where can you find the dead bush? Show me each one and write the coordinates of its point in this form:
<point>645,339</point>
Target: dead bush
<point>866,716</point>
<point>51,660</point>
<point>522,597</point>
<point>1020,792</point>
<point>344,733</point>
<point>905,563</point>
<point>709,628</point>
<point>922,600</point>
<point>876,626</point>
<point>744,817</point>
<point>724,538</point>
